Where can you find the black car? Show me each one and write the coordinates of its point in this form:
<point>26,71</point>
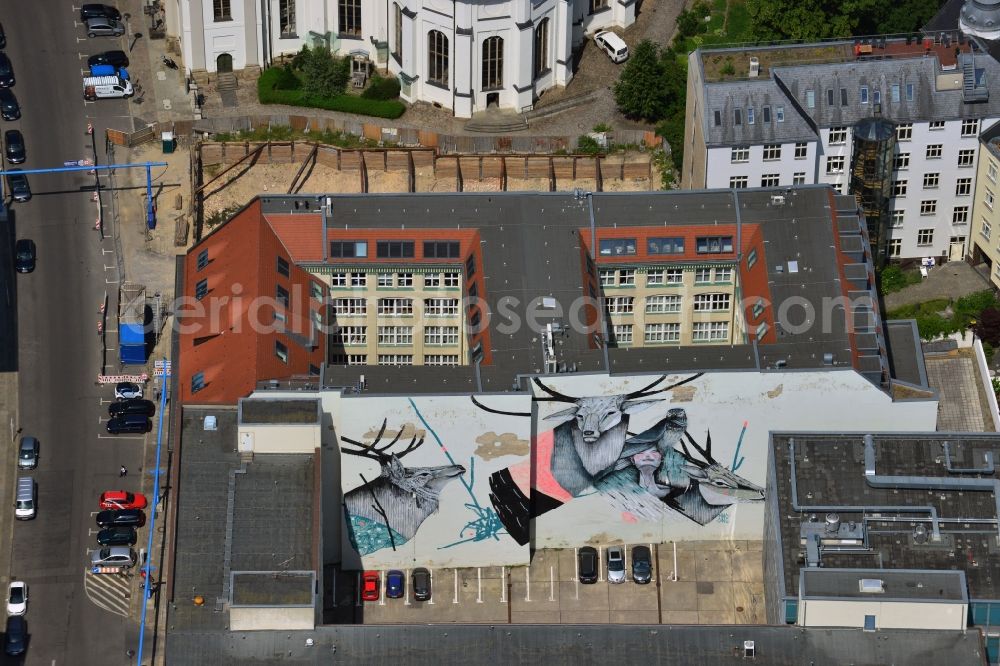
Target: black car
<point>24,255</point>
<point>121,518</point>
<point>587,560</point>
<point>124,407</point>
<point>17,636</point>
<point>117,536</point>
<point>129,423</point>
<point>9,108</point>
<point>116,59</point>
<point>13,146</point>
<point>6,71</point>
<point>421,584</point>
<point>17,183</point>
<point>642,565</point>
<point>99,11</point>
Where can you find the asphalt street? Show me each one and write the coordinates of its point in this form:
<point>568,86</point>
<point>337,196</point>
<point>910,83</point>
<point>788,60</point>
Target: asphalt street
<point>58,348</point>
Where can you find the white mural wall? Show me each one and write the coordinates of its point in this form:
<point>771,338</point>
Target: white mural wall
<point>415,474</point>
<point>677,457</point>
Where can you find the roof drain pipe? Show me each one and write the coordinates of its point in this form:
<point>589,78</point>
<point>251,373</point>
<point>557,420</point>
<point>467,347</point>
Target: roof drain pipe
<point>928,482</point>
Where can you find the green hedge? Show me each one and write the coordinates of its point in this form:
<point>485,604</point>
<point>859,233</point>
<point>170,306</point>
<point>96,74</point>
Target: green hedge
<point>382,88</point>
<point>273,88</point>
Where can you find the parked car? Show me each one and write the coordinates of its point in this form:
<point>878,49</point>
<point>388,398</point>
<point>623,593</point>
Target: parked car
<point>16,636</point>
<point>642,565</point>
<point>9,108</point>
<point>421,578</point>
<point>616,564</point>
<point>120,499</point>
<point>24,255</point>
<point>90,11</point>
<point>6,71</point>
<point>587,563</point>
<point>17,597</point>
<point>13,142</point>
<point>121,518</point>
<point>104,27</point>
<point>141,407</point>
<point>613,45</point>
<point>128,391</point>
<point>114,58</point>
<point>27,453</point>
<point>113,556</point>
<point>369,586</point>
<point>117,536</point>
<point>129,423</point>
<point>17,183</point>
<point>395,583</point>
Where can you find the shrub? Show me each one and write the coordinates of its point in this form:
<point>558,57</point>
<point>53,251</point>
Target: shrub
<point>894,278</point>
<point>268,93</point>
<point>286,79</point>
<point>602,127</point>
<point>323,74</point>
<point>988,327</point>
<point>382,88</point>
<point>588,145</point>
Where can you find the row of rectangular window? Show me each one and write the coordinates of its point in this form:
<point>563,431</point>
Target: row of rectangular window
<point>393,359</point>
<point>707,331</point>
<point>431,280</point>
<point>864,95</point>
<point>354,249</point>
<point>359,306</point>
<point>614,247</point>
<point>661,304</point>
<point>396,335</point>
<point>779,115</point>
<point>963,186</point>
<point>772,151</point>
<point>959,214</point>
<point>625,277</point>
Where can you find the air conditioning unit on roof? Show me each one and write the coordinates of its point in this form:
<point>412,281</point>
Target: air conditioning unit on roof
<point>754,67</point>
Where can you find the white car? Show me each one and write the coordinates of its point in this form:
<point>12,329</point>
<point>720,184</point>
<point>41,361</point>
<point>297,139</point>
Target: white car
<point>612,44</point>
<point>127,391</point>
<point>17,598</point>
<point>616,564</point>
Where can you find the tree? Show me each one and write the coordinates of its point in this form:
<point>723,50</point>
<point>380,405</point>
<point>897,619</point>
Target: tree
<point>322,74</point>
<point>640,91</point>
<point>988,326</point>
<point>810,20</point>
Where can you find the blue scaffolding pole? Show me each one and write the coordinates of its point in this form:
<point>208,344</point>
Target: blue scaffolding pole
<point>150,209</point>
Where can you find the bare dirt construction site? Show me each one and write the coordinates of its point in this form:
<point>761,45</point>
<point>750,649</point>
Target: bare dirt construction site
<point>233,173</point>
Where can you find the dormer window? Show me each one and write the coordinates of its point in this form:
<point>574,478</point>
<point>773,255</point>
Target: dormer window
<point>766,111</point>
<point>738,116</point>
<point>750,115</point>
<point>864,94</point>
<point>811,99</point>
<point>718,118</point>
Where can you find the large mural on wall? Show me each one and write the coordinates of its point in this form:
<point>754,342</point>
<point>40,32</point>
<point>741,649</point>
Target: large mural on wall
<point>658,458</point>
<point>648,475</point>
<point>415,477</point>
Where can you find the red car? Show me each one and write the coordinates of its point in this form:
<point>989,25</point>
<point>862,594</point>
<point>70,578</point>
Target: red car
<point>369,586</point>
<point>119,499</point>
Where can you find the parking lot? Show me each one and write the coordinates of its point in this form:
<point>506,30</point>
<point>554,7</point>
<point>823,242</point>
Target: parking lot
<point>716,583</point>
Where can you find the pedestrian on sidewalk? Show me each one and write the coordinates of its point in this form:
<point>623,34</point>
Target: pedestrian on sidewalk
<point>122,472</point>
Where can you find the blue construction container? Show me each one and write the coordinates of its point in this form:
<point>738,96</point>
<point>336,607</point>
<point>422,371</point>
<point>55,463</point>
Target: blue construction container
<point>132,341</point>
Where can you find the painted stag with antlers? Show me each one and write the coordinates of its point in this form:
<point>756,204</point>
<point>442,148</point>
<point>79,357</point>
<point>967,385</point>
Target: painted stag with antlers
<point>387,511</point>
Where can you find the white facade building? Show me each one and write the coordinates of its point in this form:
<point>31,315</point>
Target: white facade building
<point>763,119</point>
<point>465,56</point>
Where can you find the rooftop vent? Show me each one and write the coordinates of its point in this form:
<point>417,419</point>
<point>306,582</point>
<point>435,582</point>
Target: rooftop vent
<point>211,423</point>
<point>777,200</point>
<point>832,523</point>
<point>754,67</point>
<point>828,358</point>
<point>749,650</point>
<point>871,585</point>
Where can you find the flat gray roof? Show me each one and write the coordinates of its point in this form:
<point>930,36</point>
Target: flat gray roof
<point>532,249</point>
<point>825,473</point>
<point>906,356</point>
<point>575,645</point>
<point>901,585</point>
<point>273,588</point>
<point>262,411</point>
<point>234,515</point>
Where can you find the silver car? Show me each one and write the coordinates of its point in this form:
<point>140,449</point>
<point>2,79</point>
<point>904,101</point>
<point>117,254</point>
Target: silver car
<point>113,556</point>
<point>104,27</point>
<point>616,564</point>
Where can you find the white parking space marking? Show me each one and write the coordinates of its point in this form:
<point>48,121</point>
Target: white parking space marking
<point>503,585</point>
<point>600,564</point>
<point>455,599</point>
<point>357,601</point>
<point>118,437</point>
<point>527,584</point>
<point>431,573</point>
<point>479,580</point>
<point>406,588</point>
<point>552,583</point>
<point>381,597</point>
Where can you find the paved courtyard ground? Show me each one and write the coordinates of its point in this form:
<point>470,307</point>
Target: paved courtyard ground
<point>963,406</point>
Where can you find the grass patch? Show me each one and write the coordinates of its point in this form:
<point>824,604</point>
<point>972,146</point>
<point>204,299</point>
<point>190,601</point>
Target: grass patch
<point>738,21</point>
<point>894,278</point>
<point>944,316</point>
<point>279,85</point>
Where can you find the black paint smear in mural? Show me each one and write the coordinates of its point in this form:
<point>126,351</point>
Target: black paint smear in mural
<point>512,506</point>
<point>377,506</point>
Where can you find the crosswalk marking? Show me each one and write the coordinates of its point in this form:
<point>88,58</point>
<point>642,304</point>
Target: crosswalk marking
<point>112,592</point>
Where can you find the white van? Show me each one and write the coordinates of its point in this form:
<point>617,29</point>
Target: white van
<point>24,504</point>
<point>612,44</point>
<point>103,87</point>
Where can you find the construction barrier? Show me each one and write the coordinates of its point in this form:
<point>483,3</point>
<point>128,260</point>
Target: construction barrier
<point>114,379</point>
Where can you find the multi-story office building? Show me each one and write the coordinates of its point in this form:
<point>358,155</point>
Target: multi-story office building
<point>984,244</point>
<point>776,116</point>
<point>464,56</point>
